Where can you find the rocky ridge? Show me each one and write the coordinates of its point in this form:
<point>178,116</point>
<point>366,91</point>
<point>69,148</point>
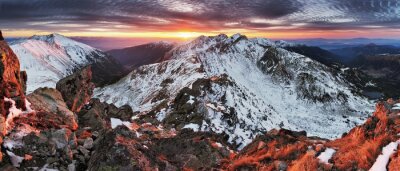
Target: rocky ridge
<point>241,87</point>
<point>47,132</point>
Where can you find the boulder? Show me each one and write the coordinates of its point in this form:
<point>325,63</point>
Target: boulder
<point>50,101</point>
<point>77,89</point>
<point>96,114</point>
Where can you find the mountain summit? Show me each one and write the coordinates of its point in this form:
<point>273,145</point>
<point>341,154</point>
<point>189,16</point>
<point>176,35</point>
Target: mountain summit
<point>241,87</point>
<point>49,58</point>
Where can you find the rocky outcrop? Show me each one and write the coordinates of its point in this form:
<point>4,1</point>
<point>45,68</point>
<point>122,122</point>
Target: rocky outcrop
<point>366,140</point>
<point>12,83</point>
<point>122,149</point>
<point>356,150</point>
<point>395,161</point>
<point>11,87</point>
<point>77,89</point>
<point>50,100</point>
<point>96,114</point>
<point>277,150</point>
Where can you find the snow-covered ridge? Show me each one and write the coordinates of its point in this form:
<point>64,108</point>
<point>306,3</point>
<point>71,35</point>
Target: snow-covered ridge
<point>269,87</point>
<point>49,58</point>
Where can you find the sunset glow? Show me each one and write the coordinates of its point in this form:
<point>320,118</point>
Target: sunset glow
<point>183,19</point>
<point>288,34</point>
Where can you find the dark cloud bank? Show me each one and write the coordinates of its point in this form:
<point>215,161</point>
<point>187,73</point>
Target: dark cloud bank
<point>200,14</point>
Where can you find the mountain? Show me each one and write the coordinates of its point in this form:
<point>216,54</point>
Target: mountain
<point>240,87</point>
<point>350,54</point>
<point>330,44</point>
<point>385,69</point>
<point>66,129</point>
<point>380,66</point>
<point>316,53</point>
<point>378,62</point>
<point>361,80</point>
<point>136,56</point>
<point>49,58</point>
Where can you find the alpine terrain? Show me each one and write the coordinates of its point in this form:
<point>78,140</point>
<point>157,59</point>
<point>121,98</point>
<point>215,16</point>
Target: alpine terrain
<point>49,58</point>
<point>216,103</point>
<point>241,87</point>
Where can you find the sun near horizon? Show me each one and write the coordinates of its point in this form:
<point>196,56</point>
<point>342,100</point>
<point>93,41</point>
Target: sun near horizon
<point>187,35</point>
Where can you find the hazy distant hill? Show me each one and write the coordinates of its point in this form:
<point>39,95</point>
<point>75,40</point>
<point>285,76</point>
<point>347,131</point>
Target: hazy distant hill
<point>348,55</point>
<point>136,56</point>
<point>345,43</point>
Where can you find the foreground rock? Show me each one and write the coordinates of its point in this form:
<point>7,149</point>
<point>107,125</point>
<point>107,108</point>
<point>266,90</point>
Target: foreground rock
<point>12,82</point>
<point>121,149</point>
<point>12,85</point>
<point>357,150</point>
<point>77,89</point>
<point>49,100</point>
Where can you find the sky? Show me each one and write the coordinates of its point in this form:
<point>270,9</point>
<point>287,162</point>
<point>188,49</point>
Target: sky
<point>185,19</point>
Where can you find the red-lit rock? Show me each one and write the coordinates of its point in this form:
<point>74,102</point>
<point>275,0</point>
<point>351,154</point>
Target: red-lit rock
<point>77,89</point>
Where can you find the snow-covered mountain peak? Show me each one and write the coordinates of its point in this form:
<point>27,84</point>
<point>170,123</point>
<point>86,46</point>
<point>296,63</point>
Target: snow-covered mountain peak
<point>162,43</point>
<point>242,87</point>
<point>60,41</point>
<point>49,58</point>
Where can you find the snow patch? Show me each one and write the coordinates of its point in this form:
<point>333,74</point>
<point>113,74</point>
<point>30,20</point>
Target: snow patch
<point>117,122</point>
<point>325,156</point>
<point>383,159</point>
<point>396,106</point>
<point>191,100</point>
<point>15,112</point>
<point>15,160</point>
<point>14,139</point>
<point>370,84</point>
<point>45,168</point>
<point>161,115</point>
<point>194,127</point>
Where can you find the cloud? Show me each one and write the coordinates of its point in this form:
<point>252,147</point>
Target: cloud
<point>204,15</point>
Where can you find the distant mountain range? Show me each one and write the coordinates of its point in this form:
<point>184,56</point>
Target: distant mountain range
<point>133,57</point>
<point>344,43</point>
<point>350,55</point>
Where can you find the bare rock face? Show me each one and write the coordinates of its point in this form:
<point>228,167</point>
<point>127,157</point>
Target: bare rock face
<point>95,114</point>
<point>77,89</point>
<point>122,149</point>
<point>11,80</point>
<point>50,100</point>
<point>11,85</point>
